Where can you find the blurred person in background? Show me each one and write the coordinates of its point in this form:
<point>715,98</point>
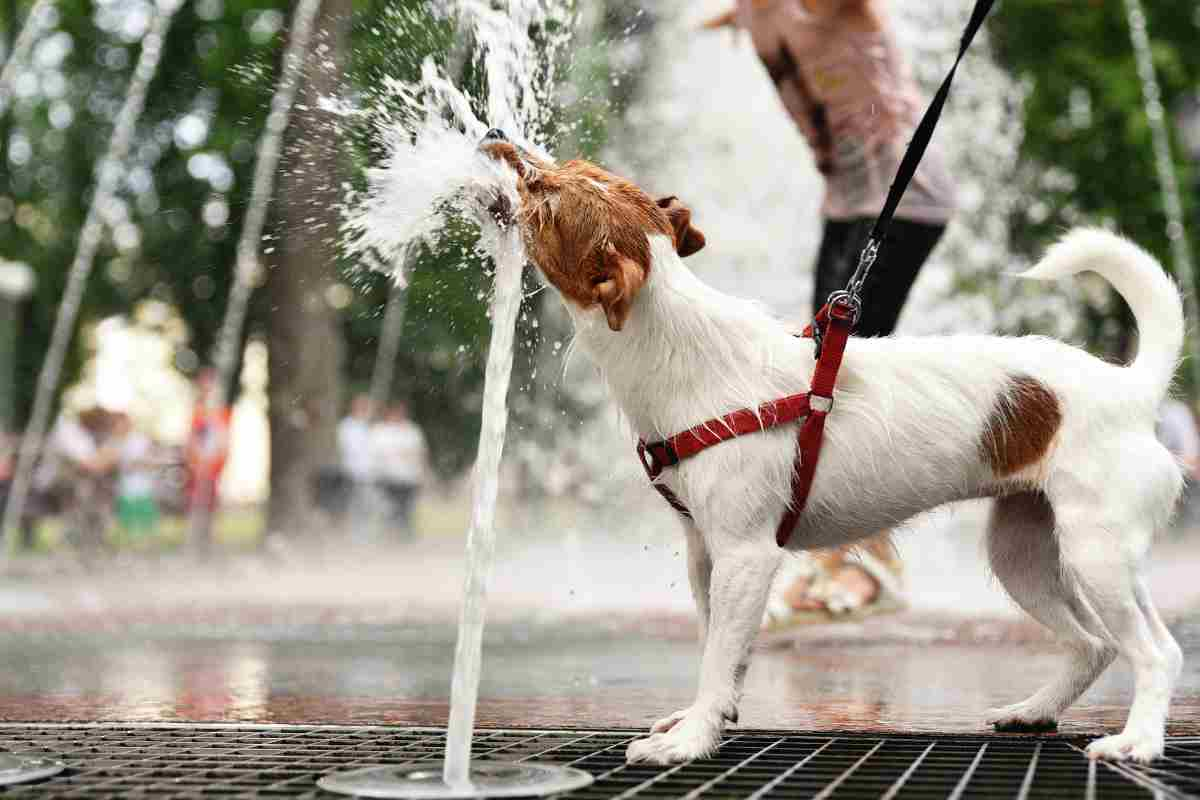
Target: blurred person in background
<point>841,76</point>
<point>83,469</point>
<point>8,458</point>
<point>1178,432</point>
<point>137,485</point>
<point>46,496</point>
<point>398,455</point>
<point>348,484</point>
<point>204,455</point>
<point>354,440</point>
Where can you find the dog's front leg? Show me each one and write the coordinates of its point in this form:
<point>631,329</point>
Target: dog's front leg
<point>700,578</point>
<point>700,569</point>
<point>742,571</point>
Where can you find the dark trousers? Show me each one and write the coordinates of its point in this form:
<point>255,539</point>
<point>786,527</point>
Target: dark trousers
<point>400,497</point>
<point>333,490</point>
<point>907,247</point>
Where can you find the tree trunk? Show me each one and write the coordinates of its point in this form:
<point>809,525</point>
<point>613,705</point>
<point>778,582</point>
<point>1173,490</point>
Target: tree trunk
<point>304,335</point>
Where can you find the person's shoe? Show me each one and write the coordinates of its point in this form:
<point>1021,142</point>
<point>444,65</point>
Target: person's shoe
<point>806,593</point>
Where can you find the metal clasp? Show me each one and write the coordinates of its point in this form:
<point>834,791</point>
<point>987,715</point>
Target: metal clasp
<point>656,457</point>
<point>866,260</point>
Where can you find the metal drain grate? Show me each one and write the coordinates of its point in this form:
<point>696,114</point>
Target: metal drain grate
<point>250,761</point>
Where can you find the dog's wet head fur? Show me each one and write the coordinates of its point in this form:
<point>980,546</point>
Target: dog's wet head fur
<point>588,230</point>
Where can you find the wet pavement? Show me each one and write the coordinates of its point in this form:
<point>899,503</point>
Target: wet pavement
<point>369,638</point>
<point>925,679</point>
<point>586,634</point>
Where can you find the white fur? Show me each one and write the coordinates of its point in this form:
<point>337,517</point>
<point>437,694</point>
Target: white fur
<point>904,436</point>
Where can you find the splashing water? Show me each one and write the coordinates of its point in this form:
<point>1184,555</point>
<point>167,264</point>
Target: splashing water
<point>433,168</point>
<point>428,174</point>
<point>430,130</point>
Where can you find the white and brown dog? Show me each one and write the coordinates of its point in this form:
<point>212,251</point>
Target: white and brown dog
<point>1064,442</point>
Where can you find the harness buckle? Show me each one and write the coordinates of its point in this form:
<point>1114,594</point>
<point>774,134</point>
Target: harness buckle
<point>656,456</point>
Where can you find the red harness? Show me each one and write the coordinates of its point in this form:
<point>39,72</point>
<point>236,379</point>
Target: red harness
<point>835,322</point>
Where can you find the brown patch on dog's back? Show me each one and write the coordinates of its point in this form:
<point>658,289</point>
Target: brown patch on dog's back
<point>1021,426</point>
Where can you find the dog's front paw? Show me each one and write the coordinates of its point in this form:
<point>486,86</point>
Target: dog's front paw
<point>1142,748</point>
<point>1022,717</point>
<point>688,735</point>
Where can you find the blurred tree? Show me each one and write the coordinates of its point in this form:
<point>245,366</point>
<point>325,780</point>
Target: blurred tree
<point>304,342</point>
<point>1087,147</point>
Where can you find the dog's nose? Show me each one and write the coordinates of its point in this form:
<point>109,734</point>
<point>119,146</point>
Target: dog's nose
<point>495,134</point>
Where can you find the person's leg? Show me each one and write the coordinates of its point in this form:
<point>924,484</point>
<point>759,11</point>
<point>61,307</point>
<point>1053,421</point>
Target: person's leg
<point>38,506</point>
<point>394,492</point>
<point>405,497</point>
<point>201,494</point>
<point>908,246</point>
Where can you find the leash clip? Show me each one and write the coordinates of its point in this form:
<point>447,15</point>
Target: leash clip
<point>846,305</point>
<point>866,260</point>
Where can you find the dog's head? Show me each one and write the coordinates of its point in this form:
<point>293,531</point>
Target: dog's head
<point>588,230</point>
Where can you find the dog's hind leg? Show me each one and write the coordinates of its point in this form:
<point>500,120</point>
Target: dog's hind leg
<point>1096,550</point>
<point>742,569</point>
<point>1025,558</point>
<point>1159,630</point>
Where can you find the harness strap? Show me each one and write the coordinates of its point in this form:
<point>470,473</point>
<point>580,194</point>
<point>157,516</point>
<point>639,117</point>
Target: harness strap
<point>654,468</point>
<point>657,456</point>
<point>811,406</point>
<point>839,322</point>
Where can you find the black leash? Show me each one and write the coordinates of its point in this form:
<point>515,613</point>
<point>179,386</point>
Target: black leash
<point>908,167</point>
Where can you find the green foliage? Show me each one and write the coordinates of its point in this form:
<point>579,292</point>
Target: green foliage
<point>220,66</point>
<point>1087,146</point>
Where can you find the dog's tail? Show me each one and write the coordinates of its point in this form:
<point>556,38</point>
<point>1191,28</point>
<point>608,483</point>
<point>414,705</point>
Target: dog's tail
<point>1139,278</point>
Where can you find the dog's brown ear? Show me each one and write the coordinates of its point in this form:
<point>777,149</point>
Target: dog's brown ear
<point>615,288</point>
<point>688,239</point>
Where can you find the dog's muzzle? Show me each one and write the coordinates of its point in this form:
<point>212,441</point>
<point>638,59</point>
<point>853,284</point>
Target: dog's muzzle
<point>501,207</point>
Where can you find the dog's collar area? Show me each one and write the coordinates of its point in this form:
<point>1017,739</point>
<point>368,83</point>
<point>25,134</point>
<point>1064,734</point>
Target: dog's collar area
<point>833,324</point>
